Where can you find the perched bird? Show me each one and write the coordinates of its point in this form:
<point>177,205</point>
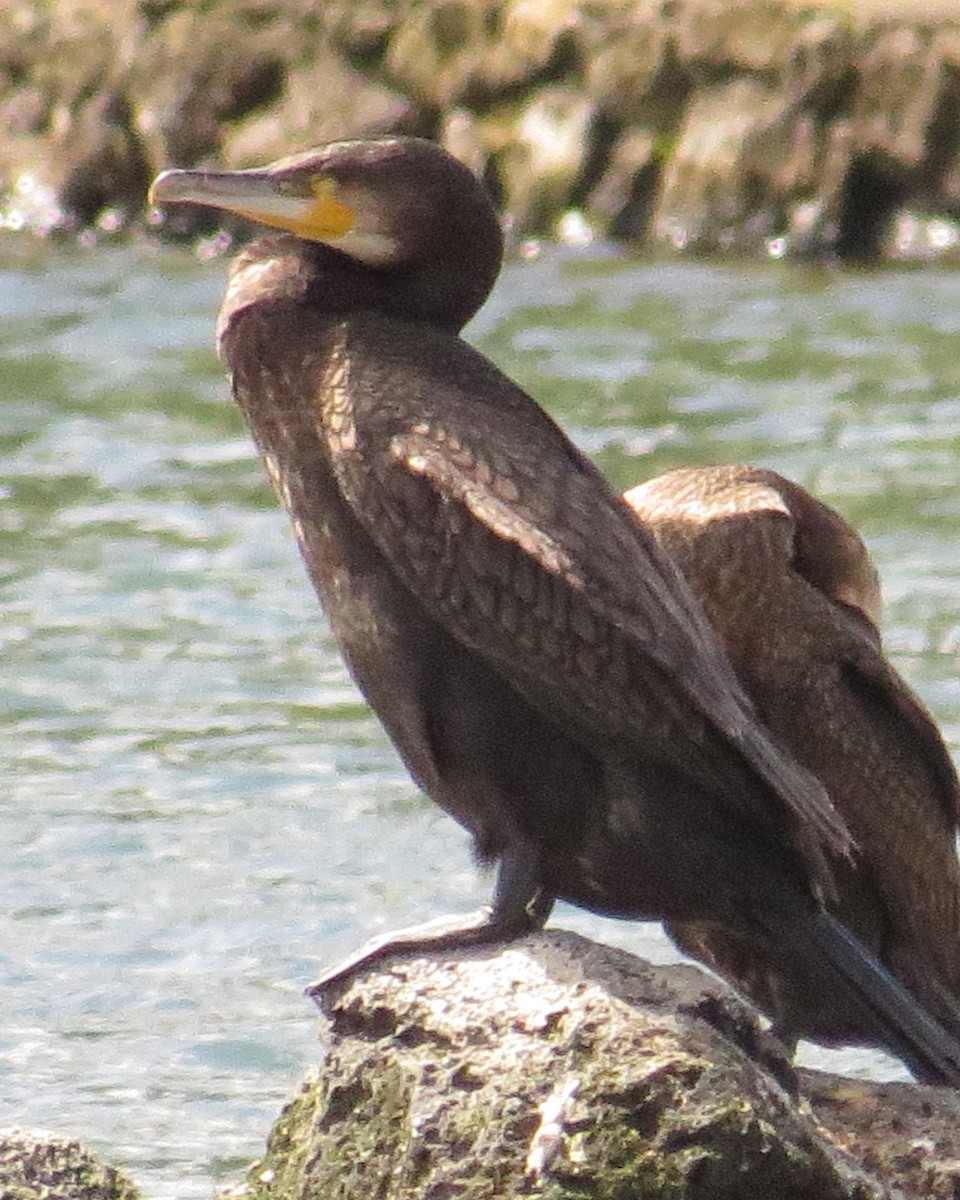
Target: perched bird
<point>790,589</point>
<point>541,665</point>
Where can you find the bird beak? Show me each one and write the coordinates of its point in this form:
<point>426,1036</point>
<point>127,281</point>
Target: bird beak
<point>309,210</point>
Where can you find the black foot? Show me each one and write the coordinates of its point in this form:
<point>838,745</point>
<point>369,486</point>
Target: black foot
<point>444,933</point>
<point>520,906</point>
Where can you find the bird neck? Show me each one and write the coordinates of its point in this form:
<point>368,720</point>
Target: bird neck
<point>266,272</point>
<point>442,287</point>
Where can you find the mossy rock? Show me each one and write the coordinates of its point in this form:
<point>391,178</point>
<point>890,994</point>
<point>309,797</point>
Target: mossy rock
<point>34,1167</point>
<point>553,1068</point>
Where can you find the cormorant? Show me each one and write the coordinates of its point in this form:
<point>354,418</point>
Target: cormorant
<point>790,588</point>
<point>542,667</point>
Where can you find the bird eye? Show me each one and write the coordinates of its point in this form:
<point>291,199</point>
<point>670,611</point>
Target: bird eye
<point>323,188</point>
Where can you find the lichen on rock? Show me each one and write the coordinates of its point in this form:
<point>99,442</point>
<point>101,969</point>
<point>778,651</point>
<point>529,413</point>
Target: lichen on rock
<point>554,1068</point>
<point>36,1167</point>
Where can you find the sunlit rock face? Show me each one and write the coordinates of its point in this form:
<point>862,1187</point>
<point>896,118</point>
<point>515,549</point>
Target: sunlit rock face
<point>559,1067</point>
<point>765,128</point>
<point>34,1166</point>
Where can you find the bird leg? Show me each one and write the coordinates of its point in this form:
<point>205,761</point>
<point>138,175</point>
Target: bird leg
<point>520,905</point>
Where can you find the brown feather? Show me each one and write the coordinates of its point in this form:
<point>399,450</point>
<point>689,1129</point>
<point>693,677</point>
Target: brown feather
<point>789,587</point>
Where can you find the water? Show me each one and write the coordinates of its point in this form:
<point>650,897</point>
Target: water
<point>198,811</point>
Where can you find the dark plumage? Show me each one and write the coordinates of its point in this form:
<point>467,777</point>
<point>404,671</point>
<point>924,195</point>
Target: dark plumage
<point>790,589</point>
<point>542,667</point>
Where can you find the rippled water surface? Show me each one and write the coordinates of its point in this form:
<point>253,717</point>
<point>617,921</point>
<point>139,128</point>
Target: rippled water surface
<point>198,811</point>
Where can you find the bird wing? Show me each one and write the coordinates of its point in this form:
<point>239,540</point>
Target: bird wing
<point>514,542</point>
<point>794,596</point>
<point>881,690</point>
<point>831,557</point>
<point>905,769</point>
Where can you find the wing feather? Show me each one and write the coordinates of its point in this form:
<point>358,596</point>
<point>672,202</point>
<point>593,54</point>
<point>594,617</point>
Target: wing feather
<point>515,543</point>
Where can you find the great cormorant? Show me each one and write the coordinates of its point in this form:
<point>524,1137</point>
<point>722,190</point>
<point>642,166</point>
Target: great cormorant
<point>789,587</point>
<point>542,667</point>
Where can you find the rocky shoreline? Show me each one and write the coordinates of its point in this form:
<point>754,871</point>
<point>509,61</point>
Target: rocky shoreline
<point>559,1068</point>
<point>764,127</point>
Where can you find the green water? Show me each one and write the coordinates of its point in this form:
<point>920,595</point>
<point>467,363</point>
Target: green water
<point>197,810</point>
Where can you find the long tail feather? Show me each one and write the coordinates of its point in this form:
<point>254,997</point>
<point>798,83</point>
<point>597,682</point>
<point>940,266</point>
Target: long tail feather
<point>885,1010</point>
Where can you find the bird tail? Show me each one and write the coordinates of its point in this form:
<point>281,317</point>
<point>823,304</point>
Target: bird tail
<point>880,1005</point>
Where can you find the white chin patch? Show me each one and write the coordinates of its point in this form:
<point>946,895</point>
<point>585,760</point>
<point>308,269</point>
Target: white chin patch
<point>373,249</point>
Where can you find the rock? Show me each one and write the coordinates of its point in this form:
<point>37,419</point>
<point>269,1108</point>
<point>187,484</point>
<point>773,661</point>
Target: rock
<point>632,73</point>
<point>104,170</point>
<point>713,195</point>
<point>35,1167</point>
<point>559,1068</point>
<point>622,200</point>
<point>323,99</point>
<point>758,126</point>
<point>553,1067</point>
<point>198,75</point>
<point>907,1135</point>
<point>540,161</point>
<point>68,149</point>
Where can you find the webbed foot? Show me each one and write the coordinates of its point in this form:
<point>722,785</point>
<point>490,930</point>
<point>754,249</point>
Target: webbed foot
<point>519,906</point>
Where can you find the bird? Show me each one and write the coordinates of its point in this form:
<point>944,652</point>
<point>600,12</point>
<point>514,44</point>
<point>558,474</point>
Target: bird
<point>544,670</point>
<point>790,589</point>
